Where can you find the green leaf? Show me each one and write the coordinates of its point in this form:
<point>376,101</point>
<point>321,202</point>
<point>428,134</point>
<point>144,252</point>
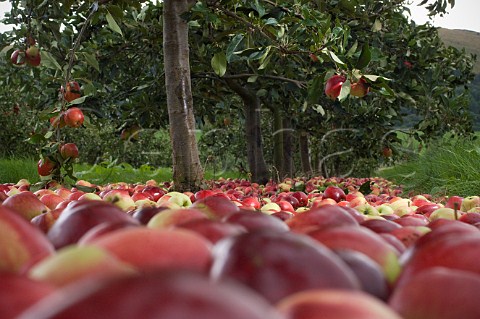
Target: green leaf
<point>49,61</point>
<point>112,24</point>
<point>92,61</point>
<point>335,58</point>
<point>365,57</point>
<point>80,100</point>
<point>377,25</point>
<point>232,47</point>
<point>345,91</point>
<point>315,90</point>
<point>252,79</point>
<point>219,63</point>
<point>365,188</point>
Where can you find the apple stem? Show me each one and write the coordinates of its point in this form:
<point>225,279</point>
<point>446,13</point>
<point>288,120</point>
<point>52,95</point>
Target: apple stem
<point>455,210</point>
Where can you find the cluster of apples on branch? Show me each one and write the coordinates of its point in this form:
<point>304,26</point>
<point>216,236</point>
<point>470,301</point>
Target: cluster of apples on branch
<point>300,249</point>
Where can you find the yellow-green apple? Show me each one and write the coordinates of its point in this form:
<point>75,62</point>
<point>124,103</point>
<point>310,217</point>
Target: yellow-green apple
<point>254,220</point>
<point>90,196</point>
<point>425,297</point>
<point>331,304</point>
<point>120,198</point>
<point>77,218</point>
<point>213,230</point>
<point>277,264</point>
<point>469,203</point>
<point>216,206</point>
<point>270,208</point>
<point>367,209</point>
<point>25,204</point>
<point>171,294</point>
<point>365,241</point>
<point>320,218</point>
<point>147,248</point>
<point>371,276</point>
<point>173,217</point>
<point>74,263</point>
<point>19,292</point>
<point>21,243</point>
<point>445,213</point>
<point>384,209</point>
<point>178,198</point>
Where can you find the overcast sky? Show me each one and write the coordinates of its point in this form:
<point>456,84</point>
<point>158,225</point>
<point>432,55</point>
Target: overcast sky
<point>464,15</point>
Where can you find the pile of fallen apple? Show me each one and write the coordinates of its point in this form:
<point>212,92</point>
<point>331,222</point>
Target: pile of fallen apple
<point>300,249</point>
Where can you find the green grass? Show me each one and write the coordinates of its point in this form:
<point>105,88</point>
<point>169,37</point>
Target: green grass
<point>12,170</point>
<point>450,167</point>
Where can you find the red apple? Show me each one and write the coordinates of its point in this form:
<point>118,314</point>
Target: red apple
<point>145,213</point>
<point>319,218</point>
<point>213,230</point>
<point>254,220</point>
<point>22,244</point>
<point>46,166</point>
<point>69,150</point>
<point>18,57</point>
<point>362,240</point>
<point>77,218</point>
<point>147,248</point>
<point>369,273</point>
<point>216,206</point>
<point>51,200</point>
<point>72,92</point>
<point>277,264</point>
<point>380,225</point>
<point>19,292</point>
<point>438,293</point>
<point>334,86</point>
<point>25,204</point>
<point>168,294</point>
<point>334,304</point>
<point>73,117</point>
<point>335,193</point>
<point>360,88</point>
<point>454,202</point>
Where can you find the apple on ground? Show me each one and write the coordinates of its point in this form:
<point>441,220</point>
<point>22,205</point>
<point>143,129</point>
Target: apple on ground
<point>363,240</point>
<point>380,225</point>
<point>173,217</point>
<point>320,218</point>
<point>334,304</point>
<point>120,198</point>
<point>371,276</point>
<point>438,293</point>
<point>22,244</point>
<point>335,193</point>
<point>18,293</point>
<point>51,200</point>
<point>469,203</point>
<point>177,198</point>
<point>147,248</point>
<point>254,220</point>
<point>74,263</point>
<point>169,294</point>
<point>25,204</point>
<point>277,264</point>
<point>213,230</point>
<point>80,216</point>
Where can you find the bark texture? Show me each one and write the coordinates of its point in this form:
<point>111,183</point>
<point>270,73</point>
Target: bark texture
<point>187,168</point>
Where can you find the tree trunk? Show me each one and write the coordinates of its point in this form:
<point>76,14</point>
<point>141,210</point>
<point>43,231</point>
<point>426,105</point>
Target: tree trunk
<point>305,154</point>
<point>187,169</point>
<point>253,132</point>
<point>278,144</point>
<point>287,147</point>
